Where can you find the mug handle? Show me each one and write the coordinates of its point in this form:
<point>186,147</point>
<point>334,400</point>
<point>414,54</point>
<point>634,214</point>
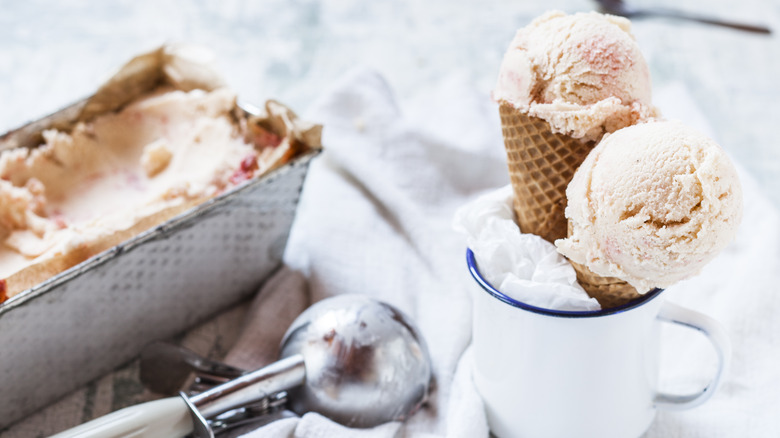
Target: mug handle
<point>716,334</point>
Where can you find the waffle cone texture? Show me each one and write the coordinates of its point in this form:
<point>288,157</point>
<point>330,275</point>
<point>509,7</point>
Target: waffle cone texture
<point>541,165</point>
<point>608,291</point>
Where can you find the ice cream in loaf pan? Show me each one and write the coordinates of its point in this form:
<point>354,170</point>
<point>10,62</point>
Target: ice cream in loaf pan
<point>142,151</point>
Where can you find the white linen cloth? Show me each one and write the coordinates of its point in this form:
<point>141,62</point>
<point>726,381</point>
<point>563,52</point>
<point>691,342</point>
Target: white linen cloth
<point>375,218</point>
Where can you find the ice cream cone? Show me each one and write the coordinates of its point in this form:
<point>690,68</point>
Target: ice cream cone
<point>541,164</point>
<point>608,291</point>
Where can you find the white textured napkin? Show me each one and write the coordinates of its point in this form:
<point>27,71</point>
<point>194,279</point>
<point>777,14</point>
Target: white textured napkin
<point>523,266</point>
<point>375,218</point>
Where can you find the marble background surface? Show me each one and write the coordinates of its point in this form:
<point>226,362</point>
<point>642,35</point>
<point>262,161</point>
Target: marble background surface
<point>53,53</point>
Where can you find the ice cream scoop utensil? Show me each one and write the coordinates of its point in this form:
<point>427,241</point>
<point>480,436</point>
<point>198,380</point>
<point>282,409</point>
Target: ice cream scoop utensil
<point>618,7</point>
<point>354,359</point>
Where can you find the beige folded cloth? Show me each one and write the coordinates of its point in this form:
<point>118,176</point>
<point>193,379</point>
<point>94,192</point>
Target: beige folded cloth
<point>281,299</point>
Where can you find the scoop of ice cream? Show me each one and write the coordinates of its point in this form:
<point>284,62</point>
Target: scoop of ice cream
<point>582,73</point>
<point>651,205</point>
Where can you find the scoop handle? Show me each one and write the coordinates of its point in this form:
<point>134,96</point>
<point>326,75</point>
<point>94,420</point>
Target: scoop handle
<point>166,418</point>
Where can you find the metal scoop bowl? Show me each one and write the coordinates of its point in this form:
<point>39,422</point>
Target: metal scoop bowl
<point>366,363</point>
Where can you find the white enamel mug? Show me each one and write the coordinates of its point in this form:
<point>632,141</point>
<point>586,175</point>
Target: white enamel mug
<point>564,374</point>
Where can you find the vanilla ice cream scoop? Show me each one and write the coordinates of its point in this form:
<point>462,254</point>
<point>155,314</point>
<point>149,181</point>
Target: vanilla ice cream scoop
<point>583,73</point>
<point>651,205</point>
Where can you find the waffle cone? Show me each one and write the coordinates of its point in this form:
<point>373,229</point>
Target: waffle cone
<point>608,291</point>
<point>541,164</point>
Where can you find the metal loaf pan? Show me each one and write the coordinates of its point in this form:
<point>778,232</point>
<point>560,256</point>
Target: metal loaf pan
<point>82,323</point>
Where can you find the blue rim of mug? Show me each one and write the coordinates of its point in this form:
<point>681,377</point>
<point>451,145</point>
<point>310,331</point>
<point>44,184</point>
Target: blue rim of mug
<point>472,263</point>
